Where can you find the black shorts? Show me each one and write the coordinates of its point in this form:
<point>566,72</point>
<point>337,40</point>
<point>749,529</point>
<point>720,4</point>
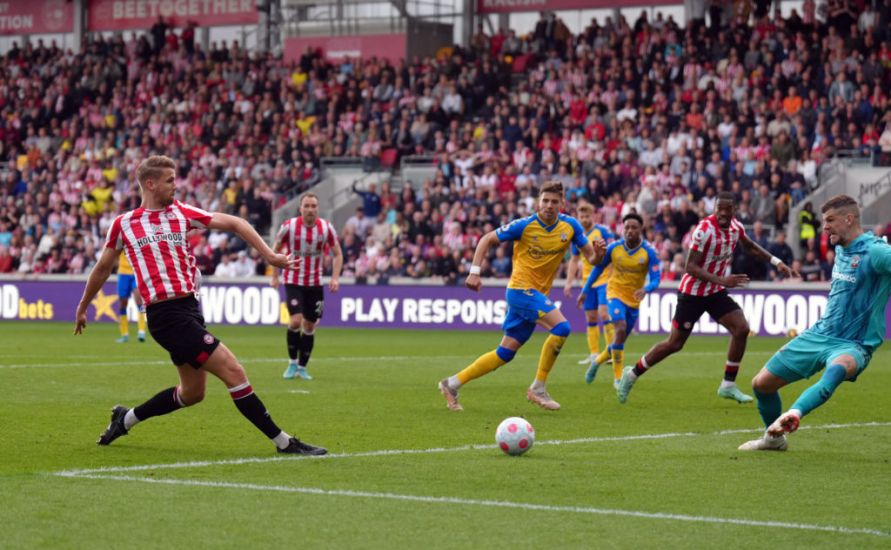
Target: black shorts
<point>179,327</point>
<point>308,301</point>
<point>690,308</point>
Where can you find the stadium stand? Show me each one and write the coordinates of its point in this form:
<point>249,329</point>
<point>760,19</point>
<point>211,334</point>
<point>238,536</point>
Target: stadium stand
<point>644,115</point>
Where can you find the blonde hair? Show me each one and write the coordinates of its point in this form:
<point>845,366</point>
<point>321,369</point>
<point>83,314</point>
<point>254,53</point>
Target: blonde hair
<point>153,168</point>
<point>309,195</point>
<point>585,208</point>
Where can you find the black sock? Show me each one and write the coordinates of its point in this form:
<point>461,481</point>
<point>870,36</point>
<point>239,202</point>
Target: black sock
<point>306,343</point>
<point>639,368</point>
<point>163,403</point>
<point>293,343</point>
<point>253,409</point>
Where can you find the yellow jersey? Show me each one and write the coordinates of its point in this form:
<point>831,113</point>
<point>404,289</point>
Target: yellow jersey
<point>124,267</point>
<point>596,232</point>
<point>539,249</point>
<point>632,269</point>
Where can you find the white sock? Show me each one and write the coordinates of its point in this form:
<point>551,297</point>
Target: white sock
<point>453,383</point>
<point>728,384</point>
<point>130,419</point>
<point>537,385</point>
<point>631,375</point>
<point>292,362</point>
<point>282,440</point>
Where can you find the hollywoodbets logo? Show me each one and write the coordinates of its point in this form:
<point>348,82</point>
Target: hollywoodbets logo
<point>174,238</point>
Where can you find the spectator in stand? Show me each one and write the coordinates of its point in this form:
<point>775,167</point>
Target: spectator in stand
<point>810,269</point>
<point>371,201</point>
<point>781,250</point>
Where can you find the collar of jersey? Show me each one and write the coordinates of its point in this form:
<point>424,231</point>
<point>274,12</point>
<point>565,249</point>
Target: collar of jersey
<point>631,251</point>
<point>856,242</point>
<point>546,227</point>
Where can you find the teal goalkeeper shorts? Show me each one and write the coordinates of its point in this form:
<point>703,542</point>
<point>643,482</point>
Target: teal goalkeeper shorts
<point>809,353</point>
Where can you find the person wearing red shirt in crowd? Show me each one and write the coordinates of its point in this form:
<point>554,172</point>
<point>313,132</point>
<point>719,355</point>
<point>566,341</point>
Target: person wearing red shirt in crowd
<point>154,239</point>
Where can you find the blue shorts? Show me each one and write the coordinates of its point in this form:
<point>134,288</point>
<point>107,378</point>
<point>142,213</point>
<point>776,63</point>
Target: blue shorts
<point>620,311</point>
<point>524,309</point>
<point>126,286</point>
<point>595,298</point>
<point>809,353</point>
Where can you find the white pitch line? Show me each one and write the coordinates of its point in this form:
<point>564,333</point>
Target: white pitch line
<point>499,504</point>
<point>401,452</point>
<point>249,361</point>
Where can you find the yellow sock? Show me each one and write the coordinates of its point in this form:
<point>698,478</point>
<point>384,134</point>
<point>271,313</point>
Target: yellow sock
<point>141,322</point>
<point>593,340</point>
<point>609,334</point>
<point>604,355</point>
<point>549,352</point>
<point>484,364</point>
<point>124,324</point>
<point>618,358</point>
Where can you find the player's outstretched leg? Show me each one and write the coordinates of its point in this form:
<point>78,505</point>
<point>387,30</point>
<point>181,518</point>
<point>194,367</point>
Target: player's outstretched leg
<point>123,419</point>
<point>810,399</point>
<point>483,365</point>
<point>225,366</point>
<point>116,427</point>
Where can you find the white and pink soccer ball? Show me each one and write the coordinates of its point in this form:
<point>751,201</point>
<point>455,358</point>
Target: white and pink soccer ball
<point>515,435</point>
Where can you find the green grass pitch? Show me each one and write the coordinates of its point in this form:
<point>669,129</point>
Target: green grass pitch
<point>659,471</point>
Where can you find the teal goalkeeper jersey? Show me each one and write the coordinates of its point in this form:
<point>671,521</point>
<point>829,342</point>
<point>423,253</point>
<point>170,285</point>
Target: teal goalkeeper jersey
<point>861,283</point>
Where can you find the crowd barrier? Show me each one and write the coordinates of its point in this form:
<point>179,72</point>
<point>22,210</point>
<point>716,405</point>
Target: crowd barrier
<point>771,309</point>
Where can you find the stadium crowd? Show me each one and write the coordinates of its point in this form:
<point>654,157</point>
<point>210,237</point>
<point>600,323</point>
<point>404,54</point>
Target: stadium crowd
<point>644,115</point>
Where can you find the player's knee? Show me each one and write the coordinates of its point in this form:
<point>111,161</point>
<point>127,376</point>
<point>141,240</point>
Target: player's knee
<point>562,329</point>
<point>505,354</point>
<point>309,328</point>
<point>191,396</point>
<point>741,330</point>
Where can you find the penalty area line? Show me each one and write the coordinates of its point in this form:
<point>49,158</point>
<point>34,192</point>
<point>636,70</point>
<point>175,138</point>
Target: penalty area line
<point>496,504</point>
<point>403,452</point>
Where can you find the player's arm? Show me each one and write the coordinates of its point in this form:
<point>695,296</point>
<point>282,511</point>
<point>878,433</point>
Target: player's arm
<point>473,281</point>
<point>337,266</point>
<point>594,251</point>
<point>277,247</point>
<point>880,256</point>
<point>595,273</point>
<point>754,249</point>
<point>239,226</point>
<point>98,275</point>
<point>694,268</point>
<point>572,269</point>
<point>654,275</point>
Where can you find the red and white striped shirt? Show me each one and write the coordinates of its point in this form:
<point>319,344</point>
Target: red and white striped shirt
<point>717,246</point>
<point>308,244</point>
<point>156,244</point>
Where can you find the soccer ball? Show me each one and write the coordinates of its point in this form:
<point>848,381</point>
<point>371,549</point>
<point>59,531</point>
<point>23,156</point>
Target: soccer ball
<point>515,435</point>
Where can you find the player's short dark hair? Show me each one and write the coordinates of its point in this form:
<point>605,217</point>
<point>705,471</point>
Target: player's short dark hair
<point>153,168</point>
<point>309,195</point>
<point>841,202</point>
<point>552,187</point>
<point>633,216</point>
<point>727,196</point>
